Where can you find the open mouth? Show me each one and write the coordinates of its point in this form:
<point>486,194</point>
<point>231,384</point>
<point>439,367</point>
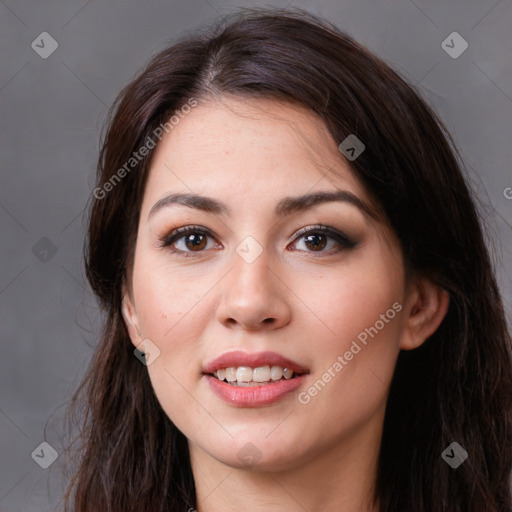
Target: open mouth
<point>245,376</point>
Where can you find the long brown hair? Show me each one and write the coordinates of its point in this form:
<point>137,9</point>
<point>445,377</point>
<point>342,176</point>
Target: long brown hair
<point>457,387</point>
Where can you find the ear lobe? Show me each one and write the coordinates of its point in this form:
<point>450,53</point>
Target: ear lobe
<point>130,319</point>
<point>427,307</point>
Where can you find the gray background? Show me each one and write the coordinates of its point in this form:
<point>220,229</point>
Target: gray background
<point>52,111</point>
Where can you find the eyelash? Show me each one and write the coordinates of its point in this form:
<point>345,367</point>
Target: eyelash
<point>344,241</point>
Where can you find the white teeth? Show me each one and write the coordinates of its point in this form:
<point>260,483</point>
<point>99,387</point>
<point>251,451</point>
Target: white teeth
<point>244,374</point>
<point>230,374</point>
<point>247,376</point>
<point>276,372</point>
<point>261,374</point>
<point>287,373</point>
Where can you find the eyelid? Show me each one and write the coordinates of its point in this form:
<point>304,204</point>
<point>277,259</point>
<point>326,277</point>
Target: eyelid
<point>178,233</point>
<point>327,229</point>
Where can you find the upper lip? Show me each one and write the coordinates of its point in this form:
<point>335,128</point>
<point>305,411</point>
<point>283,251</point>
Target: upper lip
<point>238,358</point>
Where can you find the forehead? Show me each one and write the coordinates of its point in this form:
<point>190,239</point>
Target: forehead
<point>259,149</point>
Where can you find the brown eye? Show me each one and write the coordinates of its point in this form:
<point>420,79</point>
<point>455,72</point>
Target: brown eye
<point>195,241</point>
<point>188,240</point>
<point>316,242</point>
<point>318,238</point>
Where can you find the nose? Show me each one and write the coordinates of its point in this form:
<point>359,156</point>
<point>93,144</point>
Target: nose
<point>254,296</point>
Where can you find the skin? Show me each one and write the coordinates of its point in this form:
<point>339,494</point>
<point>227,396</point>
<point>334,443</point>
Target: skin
<point>306,304</point>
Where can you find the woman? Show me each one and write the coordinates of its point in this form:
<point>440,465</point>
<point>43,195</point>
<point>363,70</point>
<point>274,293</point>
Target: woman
<point>301,312</point>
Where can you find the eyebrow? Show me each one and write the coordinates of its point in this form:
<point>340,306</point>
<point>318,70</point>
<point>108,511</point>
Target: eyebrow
<point>286,206</point>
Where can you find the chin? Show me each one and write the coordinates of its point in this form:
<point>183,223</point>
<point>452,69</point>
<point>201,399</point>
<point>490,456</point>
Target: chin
<point>256,452</point>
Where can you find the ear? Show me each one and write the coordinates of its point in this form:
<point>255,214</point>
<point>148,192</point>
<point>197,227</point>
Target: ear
<point>426,307</point>
<point>130,318</point>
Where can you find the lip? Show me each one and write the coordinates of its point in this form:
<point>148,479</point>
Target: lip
<point>239,358</point>
<point>255,396</point>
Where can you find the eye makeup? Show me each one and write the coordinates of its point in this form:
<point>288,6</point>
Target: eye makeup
<point>197,235</point>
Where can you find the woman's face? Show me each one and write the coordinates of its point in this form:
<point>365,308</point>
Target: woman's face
<point>257,275</point>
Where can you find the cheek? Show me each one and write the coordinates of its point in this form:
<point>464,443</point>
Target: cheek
<point>359,308</point>
<point>348,301</point>
<point>172,314</point>
<point>169,301</point>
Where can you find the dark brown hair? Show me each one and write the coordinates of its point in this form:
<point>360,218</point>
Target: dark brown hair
<point>456,387</point>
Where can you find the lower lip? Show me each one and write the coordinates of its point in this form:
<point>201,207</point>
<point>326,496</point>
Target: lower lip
<point>254,396</point>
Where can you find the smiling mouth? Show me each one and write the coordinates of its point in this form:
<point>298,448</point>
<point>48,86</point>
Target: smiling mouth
<point>246,376</point>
